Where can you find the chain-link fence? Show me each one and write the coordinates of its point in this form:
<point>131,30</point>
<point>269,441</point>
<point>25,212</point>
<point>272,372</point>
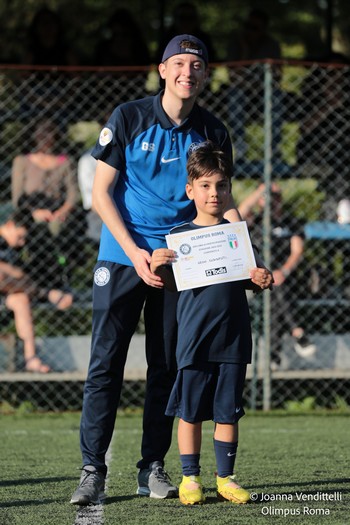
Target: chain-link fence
<point>290,131</point>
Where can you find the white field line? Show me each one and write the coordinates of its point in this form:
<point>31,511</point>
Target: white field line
<point>93,514</point>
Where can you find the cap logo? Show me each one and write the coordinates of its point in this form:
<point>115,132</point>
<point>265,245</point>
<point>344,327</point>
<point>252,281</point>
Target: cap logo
<point>188,47</point>
<point>194,51</point>
<point>185,44</point>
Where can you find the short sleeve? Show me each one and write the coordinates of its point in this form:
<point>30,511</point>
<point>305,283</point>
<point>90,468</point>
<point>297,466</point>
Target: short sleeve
<point>110,146</point>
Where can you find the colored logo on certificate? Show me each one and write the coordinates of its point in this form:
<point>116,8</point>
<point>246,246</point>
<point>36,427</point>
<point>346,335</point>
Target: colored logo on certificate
<point>232,240</point>
<point>185,249</point>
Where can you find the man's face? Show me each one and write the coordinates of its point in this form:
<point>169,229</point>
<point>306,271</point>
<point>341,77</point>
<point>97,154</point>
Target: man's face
<point>184,75</point>
<point>17,235</point>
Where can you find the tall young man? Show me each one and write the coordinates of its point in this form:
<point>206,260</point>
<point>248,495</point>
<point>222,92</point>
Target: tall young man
<point>139,192</point>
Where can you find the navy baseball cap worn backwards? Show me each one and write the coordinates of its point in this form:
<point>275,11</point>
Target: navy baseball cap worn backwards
<point>184,44</point>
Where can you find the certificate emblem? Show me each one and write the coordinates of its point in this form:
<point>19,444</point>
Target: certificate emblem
<point>185,249</point>
<point>232,240</point>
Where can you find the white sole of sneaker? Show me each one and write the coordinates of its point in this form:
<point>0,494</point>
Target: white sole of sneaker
<point>143,491</point>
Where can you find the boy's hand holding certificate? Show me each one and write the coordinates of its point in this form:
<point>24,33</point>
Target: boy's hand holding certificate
<point>212,255</point>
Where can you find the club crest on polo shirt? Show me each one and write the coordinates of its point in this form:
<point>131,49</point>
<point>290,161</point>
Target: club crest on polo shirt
<point>102,276</point>
<point>194,146</point>
<point>106,137</point>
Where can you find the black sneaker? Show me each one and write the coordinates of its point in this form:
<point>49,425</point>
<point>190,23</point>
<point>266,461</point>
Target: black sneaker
<point>155,482</point>
<point>304,347</point>
<point>91,487</point>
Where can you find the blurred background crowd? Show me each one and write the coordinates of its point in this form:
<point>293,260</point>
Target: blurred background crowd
<point>279,79</point>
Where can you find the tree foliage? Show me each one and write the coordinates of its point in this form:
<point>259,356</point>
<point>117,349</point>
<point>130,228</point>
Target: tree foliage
<point>300,23</point>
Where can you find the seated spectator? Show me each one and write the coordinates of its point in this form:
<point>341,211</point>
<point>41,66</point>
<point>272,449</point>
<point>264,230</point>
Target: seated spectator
<point>45,178</point>
<point>86,176</point>
<point>44,181</point>
<point>323,148</point>
<point>287,248</point>
<point>18,289</point>
<point>186,21</point>
<point>253,42</point>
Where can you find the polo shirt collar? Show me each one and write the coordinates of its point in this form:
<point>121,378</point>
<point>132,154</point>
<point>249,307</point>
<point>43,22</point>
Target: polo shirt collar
<point>164,119</point>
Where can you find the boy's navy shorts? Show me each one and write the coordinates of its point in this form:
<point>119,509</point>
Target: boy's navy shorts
<point>208,391</point>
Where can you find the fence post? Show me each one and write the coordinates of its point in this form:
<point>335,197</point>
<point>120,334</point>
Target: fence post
<point>256,309</point>
<point>266,231</point>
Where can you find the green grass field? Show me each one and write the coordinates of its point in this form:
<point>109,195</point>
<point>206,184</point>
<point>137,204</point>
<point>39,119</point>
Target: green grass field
<point>282,458</point>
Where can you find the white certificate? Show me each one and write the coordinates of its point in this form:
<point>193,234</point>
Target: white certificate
<point>211,255</point>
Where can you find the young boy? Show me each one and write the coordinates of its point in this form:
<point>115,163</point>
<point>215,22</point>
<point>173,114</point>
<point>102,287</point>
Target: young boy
<point>214,341</point>
<point>18,289</point>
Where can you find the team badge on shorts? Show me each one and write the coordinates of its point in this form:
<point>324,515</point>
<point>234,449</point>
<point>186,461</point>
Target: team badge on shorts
<point>102,276</point>
<point>106,136</point>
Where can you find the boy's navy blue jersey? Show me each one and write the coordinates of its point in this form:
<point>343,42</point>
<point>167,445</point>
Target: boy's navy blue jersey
<point>150,154</point>
<point>213,322</point>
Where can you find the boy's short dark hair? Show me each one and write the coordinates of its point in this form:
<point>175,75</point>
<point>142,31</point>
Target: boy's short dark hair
<point>207,159</point>
<point>22,217</point>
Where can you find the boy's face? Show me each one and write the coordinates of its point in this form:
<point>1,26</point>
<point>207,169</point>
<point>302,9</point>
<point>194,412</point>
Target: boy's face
<point>210,194</point>
<point>184,75</point>
<point>16,235</point>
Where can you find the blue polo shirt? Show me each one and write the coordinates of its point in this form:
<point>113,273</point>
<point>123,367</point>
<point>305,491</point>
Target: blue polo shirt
<point>150,154</point>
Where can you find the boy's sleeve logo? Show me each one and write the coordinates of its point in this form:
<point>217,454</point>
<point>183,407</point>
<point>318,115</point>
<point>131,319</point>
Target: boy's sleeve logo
<point>106,136</point>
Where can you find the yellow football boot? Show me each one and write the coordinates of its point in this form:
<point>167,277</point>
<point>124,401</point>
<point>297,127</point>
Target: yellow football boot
<point>191,490</point>
<point>228,489</point>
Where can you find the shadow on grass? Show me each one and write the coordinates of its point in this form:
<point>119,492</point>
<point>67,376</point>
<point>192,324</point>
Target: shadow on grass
<point>118,499</point>
<point>161,502</point>
<point>318,482</point>
<point>16,482</point>
<point>28,503</point>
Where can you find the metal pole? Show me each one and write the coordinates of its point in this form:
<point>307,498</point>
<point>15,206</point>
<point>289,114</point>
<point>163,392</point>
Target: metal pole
<point>266,231</point>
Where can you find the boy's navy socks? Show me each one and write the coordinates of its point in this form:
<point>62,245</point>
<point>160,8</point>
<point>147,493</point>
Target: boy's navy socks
<point>190,464</point>
<point>225,454</point>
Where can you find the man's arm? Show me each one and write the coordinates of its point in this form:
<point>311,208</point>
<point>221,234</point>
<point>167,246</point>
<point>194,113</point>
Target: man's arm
<point>102,202</point>
<point>294,258</point>
<point>17,180</point>
<point>246,206</point>
<point>232,214</point>
<point>14,280</point>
